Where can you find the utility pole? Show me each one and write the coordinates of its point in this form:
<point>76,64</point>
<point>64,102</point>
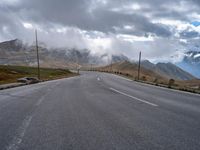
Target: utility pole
<point>77,63</point>
<point>111,66</point>
<point>139,66</point>
<point>38,59</point>
<point>108,62</point>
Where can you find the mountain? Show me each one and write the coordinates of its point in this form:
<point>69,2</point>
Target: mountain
<point>127,67</point>
<point>13,45</point>
<point>173,71</point>
<point>119,58</point>
<point>191,63</point>
<point>14,52</point>
<point>167,70</point>
<point>154,73</point>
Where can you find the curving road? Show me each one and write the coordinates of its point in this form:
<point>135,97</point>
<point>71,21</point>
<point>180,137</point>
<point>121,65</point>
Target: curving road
<point>97,111</point>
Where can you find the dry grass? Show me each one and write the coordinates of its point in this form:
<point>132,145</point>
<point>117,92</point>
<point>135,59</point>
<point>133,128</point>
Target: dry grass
<point>10,74</point>
<point>130,71</point>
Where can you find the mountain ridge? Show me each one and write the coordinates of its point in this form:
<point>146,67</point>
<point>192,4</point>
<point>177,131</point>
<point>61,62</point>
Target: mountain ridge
<point>14,52</point>
<point>168,70</point>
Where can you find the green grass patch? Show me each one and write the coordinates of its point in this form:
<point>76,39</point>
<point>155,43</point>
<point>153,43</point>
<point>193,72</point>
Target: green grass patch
<point>10,74</point>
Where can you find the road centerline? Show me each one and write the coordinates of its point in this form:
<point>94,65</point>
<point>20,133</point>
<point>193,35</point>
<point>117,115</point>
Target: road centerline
<point>40,101</point>
<point>14,145</point>
<point>135,98</point>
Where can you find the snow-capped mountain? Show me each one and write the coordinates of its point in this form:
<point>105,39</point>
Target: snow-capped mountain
<point>15,52</point>
<point>192,57</point>
<point>191,63</point>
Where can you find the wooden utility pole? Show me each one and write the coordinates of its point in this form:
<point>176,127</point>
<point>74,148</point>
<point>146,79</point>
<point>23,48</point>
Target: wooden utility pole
<point>38,59</point>
<point>111,65</point>
<point>139,66</point>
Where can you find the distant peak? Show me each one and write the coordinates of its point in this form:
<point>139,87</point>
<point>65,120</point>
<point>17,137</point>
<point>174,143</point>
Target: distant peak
<point>16,41</point>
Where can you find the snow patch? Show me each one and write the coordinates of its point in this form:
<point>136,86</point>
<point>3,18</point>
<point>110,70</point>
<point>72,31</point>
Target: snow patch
<point>197,55</point>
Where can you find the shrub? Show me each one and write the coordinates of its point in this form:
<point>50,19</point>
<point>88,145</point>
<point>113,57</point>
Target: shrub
<point>171,83</point>
<point>156,81</point>
<point>144,78</point>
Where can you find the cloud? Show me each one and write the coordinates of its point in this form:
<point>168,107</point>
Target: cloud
<point>158,28</point>
<point>189,34</point>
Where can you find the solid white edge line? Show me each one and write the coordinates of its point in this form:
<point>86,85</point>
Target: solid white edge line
<point>135,98</point>
<point>122,77</point>
<point>159,87</point>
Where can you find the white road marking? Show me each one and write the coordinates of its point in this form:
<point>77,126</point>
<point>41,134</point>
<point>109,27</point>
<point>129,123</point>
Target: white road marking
<point>122,77</point>
<point>135,98</point>
<point>39,101</point>
<point>14,145</point>
<point>166,88</point>
<point>98,79</point>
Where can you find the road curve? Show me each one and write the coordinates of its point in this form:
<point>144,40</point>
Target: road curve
<point>98,111</point>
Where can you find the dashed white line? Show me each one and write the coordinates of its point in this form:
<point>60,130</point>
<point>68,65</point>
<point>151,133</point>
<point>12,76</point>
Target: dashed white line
<point>14,145</point>
<point>135,98</point>
<point>98,79</point>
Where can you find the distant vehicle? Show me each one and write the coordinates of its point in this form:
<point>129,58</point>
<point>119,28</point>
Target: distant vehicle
<point>28,80</point>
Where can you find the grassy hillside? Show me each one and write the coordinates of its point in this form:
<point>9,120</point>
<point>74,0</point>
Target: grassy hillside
<point>131,69</point>
<point>9,74</point>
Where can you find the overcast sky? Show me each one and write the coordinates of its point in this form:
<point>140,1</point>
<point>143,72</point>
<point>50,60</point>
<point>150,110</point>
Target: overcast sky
<point>162,30</point>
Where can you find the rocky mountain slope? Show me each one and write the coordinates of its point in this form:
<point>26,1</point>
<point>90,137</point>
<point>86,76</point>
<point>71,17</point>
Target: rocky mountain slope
<point>15,52</point>
<point>151,74</point>
<point>167,70</point>
<point>131,69</point>
<point>163,71</point>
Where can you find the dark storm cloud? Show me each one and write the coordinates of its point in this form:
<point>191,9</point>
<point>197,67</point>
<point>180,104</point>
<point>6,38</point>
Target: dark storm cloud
<point>8,23</point>
<point>77,13</point>
<point>96,15</point>
<point>72,21</point>
<point>196,1</point>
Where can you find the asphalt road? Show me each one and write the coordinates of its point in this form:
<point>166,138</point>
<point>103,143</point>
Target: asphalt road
<point>97,111</point>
